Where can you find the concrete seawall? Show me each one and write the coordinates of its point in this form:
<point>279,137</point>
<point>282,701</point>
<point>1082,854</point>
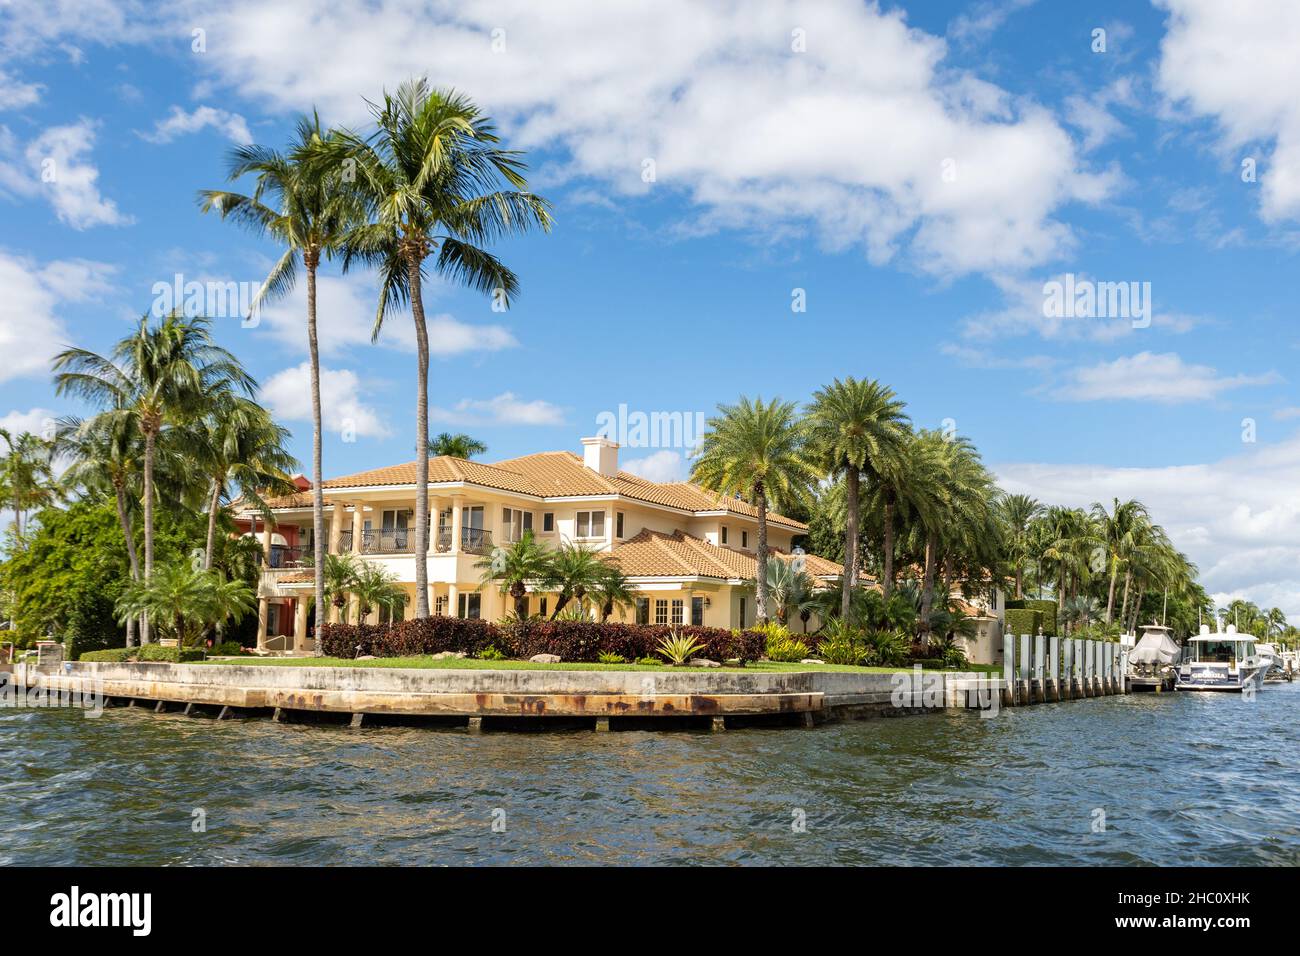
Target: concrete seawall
<point>505,697</point>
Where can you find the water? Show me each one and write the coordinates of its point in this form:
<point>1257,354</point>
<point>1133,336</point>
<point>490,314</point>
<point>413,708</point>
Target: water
<point>1181,779</point>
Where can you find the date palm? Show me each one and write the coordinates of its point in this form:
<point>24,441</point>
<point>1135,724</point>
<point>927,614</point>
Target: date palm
<point>163,376</point>
<point>756,449</point>
<point>375,589</point>
<point>612,588</point>
<point>515,567</point>
<point>573,571</point>
<point>456,446</point>
<point>307,211</point>
<point>855,426</point>
<point>26,474</point>
<point>437,188</point>
<point>1017,514</point>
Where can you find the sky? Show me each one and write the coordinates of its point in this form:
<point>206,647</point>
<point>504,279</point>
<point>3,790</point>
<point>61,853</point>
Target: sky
<point>750,199</point>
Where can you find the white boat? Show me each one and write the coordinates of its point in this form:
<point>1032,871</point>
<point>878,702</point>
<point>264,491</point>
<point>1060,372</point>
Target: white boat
<point>1224,661</point>
<point>1152,659</point>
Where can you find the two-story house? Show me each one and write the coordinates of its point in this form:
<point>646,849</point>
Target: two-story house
<point>689,554</point>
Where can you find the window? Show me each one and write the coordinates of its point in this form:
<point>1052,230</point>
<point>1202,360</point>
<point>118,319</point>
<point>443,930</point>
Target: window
<point>548,522</point>
<point>514,523</point>
<point>470,605</point>
<point>643,610</point>
<point>661,612</point>
<point>697,611</point>
<point>440,606</point>
<point>744,539</point>
<point>724,534</point>
<point>677,610</point>
<point>591,524</point>
<point>742,612</point>
<point>618,524</point>
<point>541,607</point>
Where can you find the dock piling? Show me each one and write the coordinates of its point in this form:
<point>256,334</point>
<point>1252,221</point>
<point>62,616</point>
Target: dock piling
<point>1008,670</point>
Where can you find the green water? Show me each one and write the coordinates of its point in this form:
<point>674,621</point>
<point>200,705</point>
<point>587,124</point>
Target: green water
<point>1179,778</point>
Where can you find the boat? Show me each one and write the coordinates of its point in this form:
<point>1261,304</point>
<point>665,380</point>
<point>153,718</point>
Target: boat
<point>1222,661</point>
<point>1151,662</point>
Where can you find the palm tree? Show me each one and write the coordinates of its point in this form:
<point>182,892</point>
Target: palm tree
<point>1017,514</point>
<point>340,576</point>
<point>376,590</point>
<point>185,600</point>
<point>162,376</point>
<point>612,587</point>
<point>429,178</point>
<point>26,474</point>
<point>239,445</point>
<point>515,567</point>
<point>756,449</point>
<point>456,446</point>
<point>1120,531</point>
<point>854,426</point>
<point>308,213</point>
<point>573,571</point>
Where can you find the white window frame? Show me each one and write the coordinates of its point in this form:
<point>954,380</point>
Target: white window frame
<point>591,534</point>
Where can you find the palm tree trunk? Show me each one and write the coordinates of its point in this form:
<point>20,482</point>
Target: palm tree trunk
<point>888,584</point>
<point>927,584</point>
<point>850,542</point>
<point>125,520</point>
<point>421,443</point>
<point>1110,601</point>
<point>1123,608</point>
<point>213,505</point>
<point>1020,580</point>
<point>760,598</point>
<point>317,493</point>
<point>150,446</point>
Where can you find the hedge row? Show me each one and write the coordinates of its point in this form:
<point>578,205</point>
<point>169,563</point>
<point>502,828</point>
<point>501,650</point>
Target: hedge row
<point>582,641</point>
<point>1046,610</point>
<point>1023,620</point>
<point>149,652</point>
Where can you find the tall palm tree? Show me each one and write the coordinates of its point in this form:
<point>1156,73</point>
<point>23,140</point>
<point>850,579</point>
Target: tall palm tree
<point>515,567</point>
<point>854,426</point>
<point>162,376</point>
<point>305,209</point>
<point>756,449</point>
<point>433,179</point>
<point>1120,529</point>
<point>1017,514</point>
<point>456,446</point>
<point>238,444</point>
<point>26,474</point>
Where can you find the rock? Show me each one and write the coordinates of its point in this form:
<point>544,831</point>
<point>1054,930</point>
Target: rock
<point>545,658</point>
<point>365,657</point>
<point>445,655</point>
<point>704,662</point>
<point>811,660</point>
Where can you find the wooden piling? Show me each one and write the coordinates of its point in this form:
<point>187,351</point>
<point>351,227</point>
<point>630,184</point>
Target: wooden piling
<point>602,723</point>
<point>358,721</point>
<point>476,725</point>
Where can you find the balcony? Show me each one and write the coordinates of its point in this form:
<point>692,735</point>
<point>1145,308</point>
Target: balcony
<point>402,541</point>
<point>390,541</point>
<point>472,540</point>
<point>283,557</point>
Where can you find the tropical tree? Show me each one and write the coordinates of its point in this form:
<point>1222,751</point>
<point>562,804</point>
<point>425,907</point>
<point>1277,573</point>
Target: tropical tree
<point>303,208</point>
<point>515,567</point>
<point>433,180</point>
<point>756,449</point>
<point>1121,531</point>
<point>790,589</point>
<point>456,446</point>
<point>340,577</point>
<point>161,376</point>
<point>854,426</point>
<point>573,571</point>
<point>185,600</point>
<point>238,445</point>
<point>612,588</point>
<point>26,474</point>
<point>376,589</point>
<point>1017,514</point>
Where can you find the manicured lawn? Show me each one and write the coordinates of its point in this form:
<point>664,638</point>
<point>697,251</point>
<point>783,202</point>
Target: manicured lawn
<point>452,663</point>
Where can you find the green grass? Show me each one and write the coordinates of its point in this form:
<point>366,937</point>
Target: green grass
<point>452,663</point>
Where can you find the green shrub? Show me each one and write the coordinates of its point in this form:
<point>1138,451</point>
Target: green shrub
<point>1021,621</point>
<point>149,653</point>
<point>227,649</point>
<point>842,648</point>
<point>887,648</point>
<point>1046,610</point>
<point>491,654</point>
<point>647,661</point>
<point>609,657</point>
<point>91,627</point>
<point>678,649</point>
<point>786,650</point>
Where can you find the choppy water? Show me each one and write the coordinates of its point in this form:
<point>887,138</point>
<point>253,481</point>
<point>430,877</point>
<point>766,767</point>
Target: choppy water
<point>1185,778</point>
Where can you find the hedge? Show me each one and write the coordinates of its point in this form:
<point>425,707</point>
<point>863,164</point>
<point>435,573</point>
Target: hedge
<point>149,652</point>
<point>1047,610</point>
<point>1022,620</point>
<point>579,641</point>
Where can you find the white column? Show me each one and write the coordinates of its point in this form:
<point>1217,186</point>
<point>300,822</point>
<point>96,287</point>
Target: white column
<point>300,640</point>
<point>336,526</point>
<point>457,504</point>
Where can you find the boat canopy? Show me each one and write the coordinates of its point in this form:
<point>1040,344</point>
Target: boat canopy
<point>1155,647</point>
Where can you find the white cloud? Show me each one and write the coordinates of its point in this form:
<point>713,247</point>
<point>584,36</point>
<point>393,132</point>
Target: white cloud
<point>288,395</point>
<point>179,123</point>
<point>1288,413</point>
<point>345,314</point>
<point>1238,518</point>
<point>758,135</point>
<point>1237,63</point>
<point>504,409</point>
<point>1164,378</point>
<point>38,421</point>
<point>56,165</point>
<point>658,466</point>
<point>15,94</point>
<point>983,20</point>
<point>31,330</point>
<point>1093,116</point>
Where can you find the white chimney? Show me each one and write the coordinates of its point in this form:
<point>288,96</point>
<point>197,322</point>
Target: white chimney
<point>601,456</point>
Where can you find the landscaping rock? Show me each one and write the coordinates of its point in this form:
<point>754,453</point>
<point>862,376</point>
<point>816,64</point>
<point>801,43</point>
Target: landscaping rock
<point>366,657</point>
<point>811,660</point>
<point>704,662</point>
<point>444,655</point>
<point>545,658</point>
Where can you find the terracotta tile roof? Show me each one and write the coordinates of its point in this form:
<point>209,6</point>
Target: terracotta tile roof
<point>658,554</point>
<point>560,474</point>
<point>301,499</point>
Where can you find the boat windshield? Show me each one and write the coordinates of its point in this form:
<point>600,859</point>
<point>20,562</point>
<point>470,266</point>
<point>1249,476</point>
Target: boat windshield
<point>1223,652</point>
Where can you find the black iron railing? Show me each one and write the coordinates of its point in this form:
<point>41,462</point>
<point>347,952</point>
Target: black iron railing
<point>472,540</point>
<point>285,557</point>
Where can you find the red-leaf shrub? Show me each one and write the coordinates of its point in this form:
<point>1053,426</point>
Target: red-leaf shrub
<point>571,640</point>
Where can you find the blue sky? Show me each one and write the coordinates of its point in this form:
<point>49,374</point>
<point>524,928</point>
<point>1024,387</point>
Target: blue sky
<point>918,170</point>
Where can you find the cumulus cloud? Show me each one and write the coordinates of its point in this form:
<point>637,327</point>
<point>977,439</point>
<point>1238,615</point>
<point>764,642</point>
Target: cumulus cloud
<point>179,123</point>
<point>56,165</point>
<point>1238,518</point>
<point>15,94</point>
<point>503,409</point>
<point>343,409</point>
<point>1237,63</point>
<point>38,421</point>
<point>31,328</point>
<point>659,466</point>
<point>835,118</point>
<point>1151,377</point>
